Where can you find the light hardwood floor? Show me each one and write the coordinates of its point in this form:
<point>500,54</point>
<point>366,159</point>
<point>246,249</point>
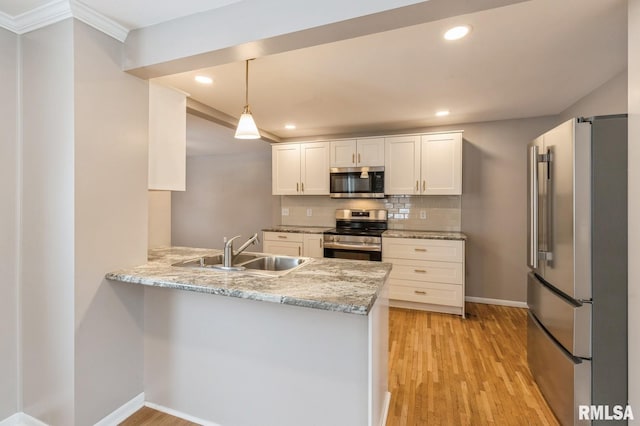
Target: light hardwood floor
<point>445,370</point>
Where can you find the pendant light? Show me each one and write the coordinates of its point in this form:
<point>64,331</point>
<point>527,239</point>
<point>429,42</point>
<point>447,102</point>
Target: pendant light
<point>247,128</point>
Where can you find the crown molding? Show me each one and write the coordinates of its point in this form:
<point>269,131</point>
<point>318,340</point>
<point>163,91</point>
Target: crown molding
<point>84,13</point>
<point>58,10</point>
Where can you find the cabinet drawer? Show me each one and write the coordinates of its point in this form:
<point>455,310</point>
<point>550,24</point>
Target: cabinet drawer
<point>284,236</point>
<point>435,250</point>
<point>423,270</point>
<point>433,293</point>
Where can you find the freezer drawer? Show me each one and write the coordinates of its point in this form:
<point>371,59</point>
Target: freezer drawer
<point>564,381</point>
<point>568,321</point>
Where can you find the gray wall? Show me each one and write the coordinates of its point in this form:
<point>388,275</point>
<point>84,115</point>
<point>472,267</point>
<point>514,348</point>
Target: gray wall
<point>226,195</point>
<point>494,205</point>
<point>48,224</point>
<point>634,206</point>
<point>609,98</point>
<point>111,116</point>
<point>84,214</point>
<point>9,366</point>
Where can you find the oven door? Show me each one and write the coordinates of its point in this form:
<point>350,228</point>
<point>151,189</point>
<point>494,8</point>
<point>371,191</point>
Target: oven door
<point>352,253</point>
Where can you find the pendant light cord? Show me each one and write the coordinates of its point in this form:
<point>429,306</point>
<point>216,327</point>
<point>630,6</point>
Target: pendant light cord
<point>246,85</point>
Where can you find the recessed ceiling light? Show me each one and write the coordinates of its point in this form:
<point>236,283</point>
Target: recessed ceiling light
<point>456,33</point>
<point>203,79</point>
<point>442,113</point>
<point>289,126</point>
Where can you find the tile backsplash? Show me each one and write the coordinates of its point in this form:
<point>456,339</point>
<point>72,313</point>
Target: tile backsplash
<point>429,213</point>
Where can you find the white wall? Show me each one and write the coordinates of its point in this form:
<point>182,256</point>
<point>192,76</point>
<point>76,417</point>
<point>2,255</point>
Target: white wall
<point>48,224</point>
<point>110,139</point>
<point>634,206</point>
<point>226,195</point>
<point>8,225</point>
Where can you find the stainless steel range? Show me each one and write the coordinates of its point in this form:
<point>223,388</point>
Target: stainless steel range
<point>357,235</point>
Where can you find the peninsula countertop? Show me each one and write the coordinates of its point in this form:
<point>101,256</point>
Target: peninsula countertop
<point>329,284</point>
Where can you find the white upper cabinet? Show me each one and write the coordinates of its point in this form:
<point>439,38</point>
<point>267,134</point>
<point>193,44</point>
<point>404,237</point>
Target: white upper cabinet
<point>167,138</point>
<point>357,153</point>
<point>300,169</point>
<point>285,167</point>
<point>424,164</point>
<point>402,165</point>
<point>441,164</point>
<point>314,168</point>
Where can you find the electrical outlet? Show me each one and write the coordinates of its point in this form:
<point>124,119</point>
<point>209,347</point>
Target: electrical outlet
<point>285,211</point>
<point>309,212</point>
<point>423,214</point>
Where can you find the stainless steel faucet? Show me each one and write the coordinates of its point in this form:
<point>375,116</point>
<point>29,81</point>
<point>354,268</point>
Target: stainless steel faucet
<point>229,255</point>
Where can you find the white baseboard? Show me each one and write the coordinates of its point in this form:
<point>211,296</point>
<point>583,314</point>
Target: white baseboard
<point>386,404</point>
<point>21,419</point>
<point>123,412</point>
<point>500,302</point>
<point>179,414</point>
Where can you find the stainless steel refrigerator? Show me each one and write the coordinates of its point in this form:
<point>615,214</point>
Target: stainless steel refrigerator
<point>577,257</point>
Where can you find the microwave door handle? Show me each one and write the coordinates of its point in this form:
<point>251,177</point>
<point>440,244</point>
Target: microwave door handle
<point>533,207</point>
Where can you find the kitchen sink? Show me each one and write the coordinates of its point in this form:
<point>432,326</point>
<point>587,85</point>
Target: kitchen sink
<point>249,262</point>
<point>212,261</point>
<point>274,263</point>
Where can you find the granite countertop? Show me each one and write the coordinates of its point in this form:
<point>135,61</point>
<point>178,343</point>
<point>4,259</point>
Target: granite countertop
<point>329,284</point>
<point>298,229</point>
<point>425,235</point>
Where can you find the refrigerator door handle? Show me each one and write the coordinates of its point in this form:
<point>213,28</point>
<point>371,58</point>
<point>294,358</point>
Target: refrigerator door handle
<point>545,252</point>
<point>533,206</point>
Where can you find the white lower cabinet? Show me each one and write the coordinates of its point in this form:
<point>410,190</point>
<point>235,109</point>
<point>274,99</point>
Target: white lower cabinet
<point>313,245</point>
<point>293,244</point>
<point>427,274</point>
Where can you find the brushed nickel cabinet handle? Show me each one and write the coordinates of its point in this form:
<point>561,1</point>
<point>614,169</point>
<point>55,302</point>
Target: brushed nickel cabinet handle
<point>299,250</point>
<point>297,187</point>
<point>420,271</point>
<point>320,242</point>
<point>284,237</point>
<point>424,185</point>
<point>353,158</point>
<point>359,157</point>
<point>420,249</point>
<point>417,186</point>
<point>419,292</point>
<point>302,186</point>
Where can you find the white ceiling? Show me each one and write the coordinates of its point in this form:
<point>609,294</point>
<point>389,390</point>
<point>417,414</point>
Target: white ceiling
<point>528,59</point>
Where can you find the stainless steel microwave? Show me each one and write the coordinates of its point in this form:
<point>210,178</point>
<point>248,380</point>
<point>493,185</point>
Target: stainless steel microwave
<point>356,182</point>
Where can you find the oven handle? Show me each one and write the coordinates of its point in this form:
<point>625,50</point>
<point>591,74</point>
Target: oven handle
<point>361,247</point>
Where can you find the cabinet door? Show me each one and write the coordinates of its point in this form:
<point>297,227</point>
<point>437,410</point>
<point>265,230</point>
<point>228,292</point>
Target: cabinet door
<point>285,169</point>
<point>314,168</point>
<point>441,164</point>
<point>284,248</point>
<point>343,153</point>
<point>313,245</point>
<point>167,138</point>
<point>402,165</point>
<point>370,152</point>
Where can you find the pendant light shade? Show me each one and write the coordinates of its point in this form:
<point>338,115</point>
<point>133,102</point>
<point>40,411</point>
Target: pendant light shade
<point>247,128</point>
